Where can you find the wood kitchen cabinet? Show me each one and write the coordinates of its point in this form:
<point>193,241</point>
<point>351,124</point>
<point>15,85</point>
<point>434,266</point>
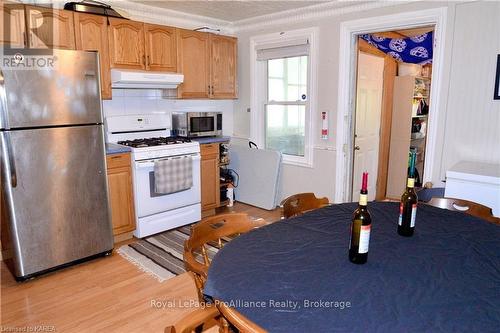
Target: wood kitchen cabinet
<point>160,48</point>
<point>194,62</point>
<point>50,28</point>
<point>223,55</point>
<point>137,45</point>
<point>126,44</point>
<point>121,195</point>
<point>208,63</point>
<point>91,34</point>
<point>13,27</point>
<point>209,178</point>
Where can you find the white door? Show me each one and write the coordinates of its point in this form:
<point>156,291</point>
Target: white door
<point>368,108</point>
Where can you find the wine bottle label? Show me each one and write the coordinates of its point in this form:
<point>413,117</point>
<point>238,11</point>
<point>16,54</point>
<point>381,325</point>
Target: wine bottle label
<point>363,199</point>
<point>411,182</point>
<point>364,239</point>
<point>400,222</point>
<point>413,215</point>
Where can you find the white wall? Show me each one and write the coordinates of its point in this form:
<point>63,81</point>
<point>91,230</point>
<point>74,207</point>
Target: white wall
<point>320,178</point>
<point>473,119</point>
<point>143,101</point>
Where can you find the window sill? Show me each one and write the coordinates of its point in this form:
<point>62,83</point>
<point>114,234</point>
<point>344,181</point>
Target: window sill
<point>294,162</point>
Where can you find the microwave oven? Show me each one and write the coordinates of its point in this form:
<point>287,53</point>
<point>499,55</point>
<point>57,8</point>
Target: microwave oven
<point>197,124</point>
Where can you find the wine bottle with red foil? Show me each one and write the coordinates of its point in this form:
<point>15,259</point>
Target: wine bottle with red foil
<point>408,204</point>
<point>361,226</point>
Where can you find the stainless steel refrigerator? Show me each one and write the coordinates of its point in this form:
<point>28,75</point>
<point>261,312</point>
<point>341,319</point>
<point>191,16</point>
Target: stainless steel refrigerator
<point>54,185</point>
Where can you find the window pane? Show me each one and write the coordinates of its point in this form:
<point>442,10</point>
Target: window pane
<point>293,67</point>
<point>285,128</point>
<point>275,67</point>
<point>287,79</point>
<point>276,92</point>
<point>293,92</point>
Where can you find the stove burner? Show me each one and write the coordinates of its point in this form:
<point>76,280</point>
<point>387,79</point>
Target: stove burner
<point>161,141</point>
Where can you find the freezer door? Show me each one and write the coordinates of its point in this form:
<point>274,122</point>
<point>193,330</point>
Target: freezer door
<point>65,94</point>
<point>58,203</point>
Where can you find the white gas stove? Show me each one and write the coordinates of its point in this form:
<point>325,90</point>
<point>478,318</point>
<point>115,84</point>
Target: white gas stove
<point>149,138</point>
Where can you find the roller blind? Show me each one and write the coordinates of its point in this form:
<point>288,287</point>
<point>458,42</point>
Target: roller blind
<point>285,49</point>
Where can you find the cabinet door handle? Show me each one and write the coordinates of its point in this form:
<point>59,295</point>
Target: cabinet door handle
<point>148,61</point>
<point>144,61</point>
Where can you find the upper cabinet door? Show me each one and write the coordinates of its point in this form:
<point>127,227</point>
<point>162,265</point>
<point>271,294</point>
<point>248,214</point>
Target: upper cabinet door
<point>193,48</point>
<point>126,44</point>
<point>223,54</point>
<point>91,34</point>
<point>13,28</point>
<point>161,48</point>
<point>50,28</point>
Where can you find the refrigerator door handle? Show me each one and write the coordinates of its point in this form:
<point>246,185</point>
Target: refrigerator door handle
<point>9,156</point>
<point>7,145</point>
<point>3,103</point>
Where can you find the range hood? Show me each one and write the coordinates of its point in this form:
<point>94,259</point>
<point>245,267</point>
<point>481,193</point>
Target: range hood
<point>144,80</point>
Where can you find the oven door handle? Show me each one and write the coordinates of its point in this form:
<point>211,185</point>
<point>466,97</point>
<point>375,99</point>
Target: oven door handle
<point>151,163</point>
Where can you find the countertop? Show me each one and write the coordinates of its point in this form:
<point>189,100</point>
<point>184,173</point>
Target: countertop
<point>212,139</point>
<point>113,148</point>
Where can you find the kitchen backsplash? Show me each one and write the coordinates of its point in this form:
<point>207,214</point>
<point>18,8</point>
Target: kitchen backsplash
<point>142,101</point>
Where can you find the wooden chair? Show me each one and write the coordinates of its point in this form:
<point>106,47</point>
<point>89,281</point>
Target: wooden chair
<point>200,319</point>
<point>213,230</point>
<point>196,259</point>
<point>239,321</point>
<point>298,204</point>
<point>467,207</point>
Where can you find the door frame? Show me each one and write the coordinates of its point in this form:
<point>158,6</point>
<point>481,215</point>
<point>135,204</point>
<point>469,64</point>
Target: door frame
<point>349,30</point>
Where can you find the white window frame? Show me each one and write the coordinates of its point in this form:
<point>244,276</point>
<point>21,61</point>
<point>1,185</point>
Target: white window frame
<point>258,91</point>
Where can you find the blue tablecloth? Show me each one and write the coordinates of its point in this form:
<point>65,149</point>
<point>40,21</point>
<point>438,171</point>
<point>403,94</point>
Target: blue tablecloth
<point>445,278</point>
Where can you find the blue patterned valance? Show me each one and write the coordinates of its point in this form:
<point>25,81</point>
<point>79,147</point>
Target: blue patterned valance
<point>413,50</point>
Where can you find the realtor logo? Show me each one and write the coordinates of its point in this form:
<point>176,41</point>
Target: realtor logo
<point>26,46</point>
<point>17,34</point>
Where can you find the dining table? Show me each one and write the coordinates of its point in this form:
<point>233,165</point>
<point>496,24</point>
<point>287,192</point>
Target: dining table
<point>294,275</point>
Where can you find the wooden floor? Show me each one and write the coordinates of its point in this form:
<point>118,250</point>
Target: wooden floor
<point>104,295</point>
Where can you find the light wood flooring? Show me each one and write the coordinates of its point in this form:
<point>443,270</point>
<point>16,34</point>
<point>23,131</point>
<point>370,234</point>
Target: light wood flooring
<point>104,295</point>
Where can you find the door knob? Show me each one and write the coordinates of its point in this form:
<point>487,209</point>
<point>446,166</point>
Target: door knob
<point>357,148</point>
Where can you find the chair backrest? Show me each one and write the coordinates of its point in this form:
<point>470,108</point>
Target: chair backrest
<point>468,207</point>
<point>300,203</point>
<point>212,230</point>
<point>426,194</point>
<point>242,323</point>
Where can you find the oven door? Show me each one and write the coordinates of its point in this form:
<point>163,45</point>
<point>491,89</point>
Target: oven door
<point>149,203</point>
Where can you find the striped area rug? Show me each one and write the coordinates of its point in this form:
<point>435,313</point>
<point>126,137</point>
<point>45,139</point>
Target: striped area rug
<point>161,255</point>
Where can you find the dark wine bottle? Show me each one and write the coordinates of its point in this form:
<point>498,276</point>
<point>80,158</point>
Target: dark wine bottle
<point>408,205</point>
<point>361,226</point>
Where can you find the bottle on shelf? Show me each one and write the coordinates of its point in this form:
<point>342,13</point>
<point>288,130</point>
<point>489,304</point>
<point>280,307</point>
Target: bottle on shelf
<point>361,227</point>
<point>409,199</point>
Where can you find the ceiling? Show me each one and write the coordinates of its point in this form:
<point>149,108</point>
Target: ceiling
<point>230,11</point>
